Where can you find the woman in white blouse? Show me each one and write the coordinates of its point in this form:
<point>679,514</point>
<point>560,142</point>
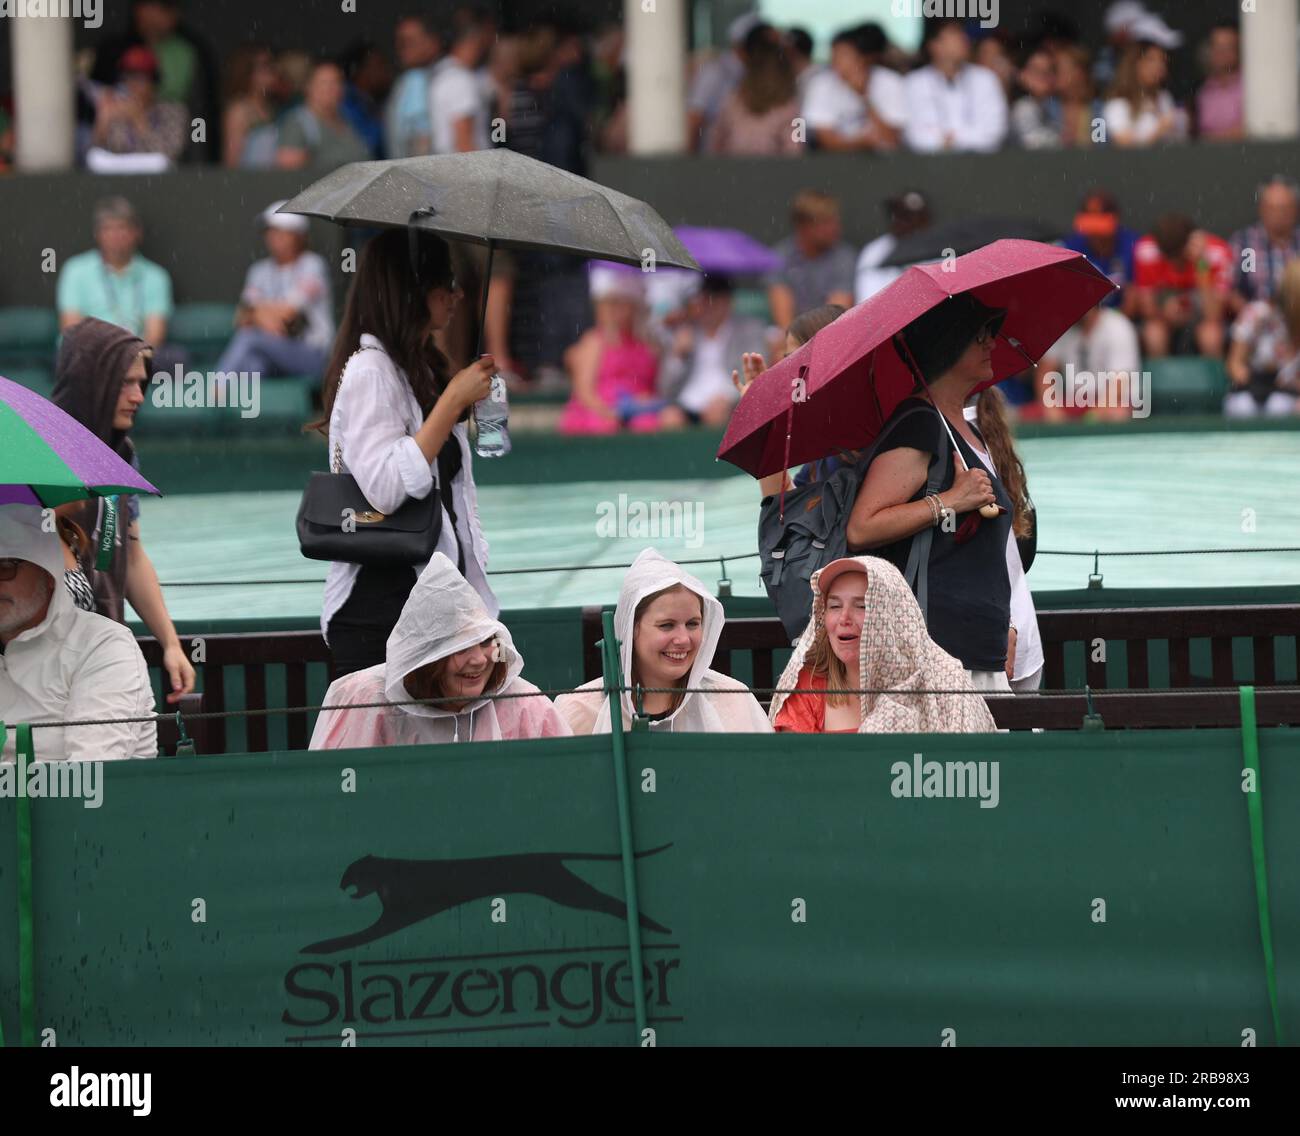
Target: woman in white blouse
<point>1139,110</point>
<point>398,417</point>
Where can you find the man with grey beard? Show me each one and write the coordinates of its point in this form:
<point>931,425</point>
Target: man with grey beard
<point>59,663</point>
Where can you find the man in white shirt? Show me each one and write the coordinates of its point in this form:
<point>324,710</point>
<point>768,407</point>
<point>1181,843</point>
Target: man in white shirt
<point>59,663</point>
<point>953,104</point>
<point>458,104</point>
<point>908,213</point>
<point>1103,343</point>
<point>857,104</point>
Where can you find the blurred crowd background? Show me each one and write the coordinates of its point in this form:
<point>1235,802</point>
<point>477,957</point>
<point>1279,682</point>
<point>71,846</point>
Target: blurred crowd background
<point>656,351</point>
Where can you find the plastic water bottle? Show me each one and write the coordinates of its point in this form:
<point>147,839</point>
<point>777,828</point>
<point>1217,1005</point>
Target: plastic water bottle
<point>491,415</point>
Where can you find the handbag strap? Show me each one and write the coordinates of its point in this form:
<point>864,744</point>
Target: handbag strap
<point>336,458</point>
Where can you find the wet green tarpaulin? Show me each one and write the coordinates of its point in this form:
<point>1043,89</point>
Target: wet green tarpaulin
<point>788,892</point>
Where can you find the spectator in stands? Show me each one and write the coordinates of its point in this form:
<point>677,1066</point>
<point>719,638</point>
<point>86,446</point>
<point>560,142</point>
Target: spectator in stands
<point>858,104</point>
<point>1182,280</point>
<point>248,135</point>
<point>1103,342</point>
<point>816,265</point>
<point>993,51</point>
<point>696,369</point>
<point>112,282</point>
<point>908,213</point>
<point>752,364</point>
<point>1264,355</point>
<point>285,317</point>
<point>186,68</point>
<point>408,129</point>
<point>969,605</point>
<point>1025,644</point>
<point>799,47</point>
<point>368,76</point>
<point>1119,20</point>
<point>758,116</point>
<point>612,365</point>
<point>131,120</point>
<point>668,626</point>
<point>1261,252</point>
<point>100,377</point>
<point>315,134</point>
<point>1139,109</point>
<point>1099,234</point>
<point>1219,113</point>
<point>1081,111</point>
<point>609,122</point>
<point>62,664</point>
<point>953,104</point>
<point>1036,114</point>
<point>458,101</point>
<point>396,418</point>
<point>867,634</point>
<point>444,662</point>
<point>718,77</point>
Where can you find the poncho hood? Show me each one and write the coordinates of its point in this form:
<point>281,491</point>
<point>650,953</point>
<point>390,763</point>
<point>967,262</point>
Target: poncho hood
<point>94,358</point>
<point>23,537</point>
<point>650,573</point>
<point>896,654</point>
<point>443,615</point>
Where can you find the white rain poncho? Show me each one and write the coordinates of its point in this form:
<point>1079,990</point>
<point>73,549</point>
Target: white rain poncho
<point>443,615</point>
<point>895,653</point>
<point>72,666</point>
<point>718,710</point>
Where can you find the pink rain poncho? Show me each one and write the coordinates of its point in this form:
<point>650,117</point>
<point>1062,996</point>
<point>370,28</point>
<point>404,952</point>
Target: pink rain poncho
<point>443,615</point>
<point>726,706</point>
<point>895,653</point>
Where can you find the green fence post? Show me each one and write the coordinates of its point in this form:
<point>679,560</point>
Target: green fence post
<point>613,684</point>
<point>1255,811</point>
<point>26,938</point>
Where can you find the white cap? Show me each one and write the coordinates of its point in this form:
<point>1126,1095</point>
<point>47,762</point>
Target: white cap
<point>1150,28</point>
<point>1122,14</point>
<point>289,222</point>
<point>741,26</point>
<point>616,284</point>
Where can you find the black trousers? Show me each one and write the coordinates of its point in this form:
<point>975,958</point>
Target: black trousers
<point>359,630</point>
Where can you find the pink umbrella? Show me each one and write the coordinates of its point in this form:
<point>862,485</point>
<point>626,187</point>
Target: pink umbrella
<point>839,389</point>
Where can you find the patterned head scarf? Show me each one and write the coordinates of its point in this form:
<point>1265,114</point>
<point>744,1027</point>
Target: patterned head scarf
<point>895,654</point>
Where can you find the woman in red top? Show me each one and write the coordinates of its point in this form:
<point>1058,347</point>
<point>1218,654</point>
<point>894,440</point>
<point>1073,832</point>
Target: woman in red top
<point>867,634</point>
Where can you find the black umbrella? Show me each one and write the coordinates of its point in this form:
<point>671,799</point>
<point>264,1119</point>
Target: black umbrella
<point>968,235</point>
<point>496,198</point>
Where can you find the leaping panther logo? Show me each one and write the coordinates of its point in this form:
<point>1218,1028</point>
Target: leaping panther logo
<point>412,890</point>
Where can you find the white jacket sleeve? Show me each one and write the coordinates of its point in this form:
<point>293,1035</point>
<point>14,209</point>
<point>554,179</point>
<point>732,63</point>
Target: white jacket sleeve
<point>377,450</point>
<point>111,682</point>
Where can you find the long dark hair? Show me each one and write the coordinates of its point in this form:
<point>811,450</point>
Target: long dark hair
<point>991,418</point>
<point>389,300</point>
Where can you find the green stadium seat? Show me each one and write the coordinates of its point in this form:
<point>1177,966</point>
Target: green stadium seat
<point>28,333</point>
<point>1187,384</point>
<point>38,379</point>
<point>752,302</point>
<point>202,329</point>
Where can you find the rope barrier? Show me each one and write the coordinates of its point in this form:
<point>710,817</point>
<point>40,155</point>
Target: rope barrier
<point>1083,691</point>
<point>738,556</point>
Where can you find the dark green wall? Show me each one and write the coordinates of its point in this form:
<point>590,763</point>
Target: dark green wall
<point>200,222</point>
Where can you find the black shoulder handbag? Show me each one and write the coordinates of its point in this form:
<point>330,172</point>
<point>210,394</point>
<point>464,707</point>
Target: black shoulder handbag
<point>336,522</point>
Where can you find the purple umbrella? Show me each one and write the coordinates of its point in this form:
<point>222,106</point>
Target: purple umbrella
<point>728,252</point>
<point>48,458</point>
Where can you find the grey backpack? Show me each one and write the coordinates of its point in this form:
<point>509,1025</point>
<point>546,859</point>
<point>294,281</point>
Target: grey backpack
<point>814,532</point>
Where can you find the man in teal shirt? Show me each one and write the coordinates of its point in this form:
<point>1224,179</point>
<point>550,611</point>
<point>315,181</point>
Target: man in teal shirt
<point>113,283</point>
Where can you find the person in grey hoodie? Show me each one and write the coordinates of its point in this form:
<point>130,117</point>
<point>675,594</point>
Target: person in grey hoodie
<point>100,378</point>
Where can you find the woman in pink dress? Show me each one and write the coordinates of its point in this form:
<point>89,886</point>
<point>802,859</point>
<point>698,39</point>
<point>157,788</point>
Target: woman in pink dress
<point>613,368</point>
